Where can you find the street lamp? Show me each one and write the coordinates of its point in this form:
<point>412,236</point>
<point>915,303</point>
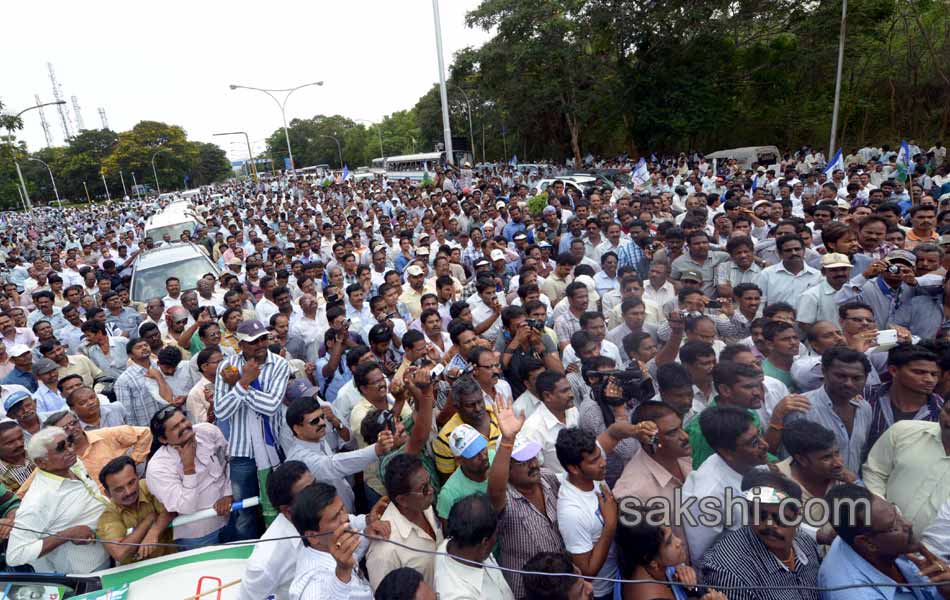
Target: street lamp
<point>250,155</point>
<point>26,196</point>
<point>283,110</point>
<point>471,136</point>
<point>158,186</point>
<point>382,153</point>
<point>338,147</point>
<point>55,191</point>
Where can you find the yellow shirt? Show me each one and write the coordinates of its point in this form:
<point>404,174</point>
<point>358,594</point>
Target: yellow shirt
<point>115,521</point>
<point>444,460</point>
<point>82,366</point>
<point>413,300</point>
<point>360,410</point>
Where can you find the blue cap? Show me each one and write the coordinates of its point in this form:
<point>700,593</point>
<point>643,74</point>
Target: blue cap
<point>14,399</point>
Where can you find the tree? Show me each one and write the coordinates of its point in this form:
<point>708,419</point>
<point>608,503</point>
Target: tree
<point>167,144</point>
<point>211,164</point>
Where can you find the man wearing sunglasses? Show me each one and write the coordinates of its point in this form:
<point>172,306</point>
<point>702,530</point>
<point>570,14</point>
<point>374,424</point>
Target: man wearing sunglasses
<point>771,546</point>
<point>57,518</point>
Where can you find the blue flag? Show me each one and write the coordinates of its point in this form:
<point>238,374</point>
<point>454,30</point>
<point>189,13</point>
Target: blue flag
<point>346,172</point>
<point>514,161</point>
<point>835,164</point>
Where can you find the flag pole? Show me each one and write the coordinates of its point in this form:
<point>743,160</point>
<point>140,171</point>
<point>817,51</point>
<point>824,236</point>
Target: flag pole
<point>834,113</point>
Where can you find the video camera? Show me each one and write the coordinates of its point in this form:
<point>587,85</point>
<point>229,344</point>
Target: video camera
<point>633,384</point>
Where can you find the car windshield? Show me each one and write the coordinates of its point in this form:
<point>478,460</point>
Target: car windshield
<point>173,231</point>
<point>150,283</point>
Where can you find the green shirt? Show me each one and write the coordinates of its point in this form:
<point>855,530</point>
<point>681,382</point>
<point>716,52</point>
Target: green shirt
<point>457,487</point>
<point>701,448</point>
<point>783,376</point>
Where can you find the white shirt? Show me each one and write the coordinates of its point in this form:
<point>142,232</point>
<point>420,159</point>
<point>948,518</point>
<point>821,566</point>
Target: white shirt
<point>315,577</point>
<point>270,568</point>
<point>607,348</point>
<point>581,525</point>
<point>542,428</point>
<point>710,480</point>
<point>526,404</point>
<point>481,312</point>
<point>53,504</point>
<point>265,310</point>
<point>778,284</point>
<point>458,581</point>
<point>937,535</point>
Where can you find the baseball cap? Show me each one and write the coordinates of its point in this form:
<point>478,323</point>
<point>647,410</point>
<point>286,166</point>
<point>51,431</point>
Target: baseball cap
<point>248,331</point>
<point>901,255</point>
<point>499,204</point>
<point>414,270</point>
<point>520,236</point>
<point>14,399</point>
<point>422,251</point>
<point>691,275</point>
<point>44,365</point>
<point>497,255</point>
<point>18,350</point>
<point>549,210</point>
<point>481,262</point>
<point>760,203</point>
<point>466,442</point>
<point>234,261</point>
<point>833,260</point>
<point>525,450</point>
<point>299,388</point>
<point>543,244</point>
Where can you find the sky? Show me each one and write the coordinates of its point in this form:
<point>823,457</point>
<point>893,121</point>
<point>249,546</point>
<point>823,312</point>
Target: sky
<point>173,61</point>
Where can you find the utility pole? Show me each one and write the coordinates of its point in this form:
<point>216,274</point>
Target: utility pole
<point>446,127</point>
<point>834,113</point>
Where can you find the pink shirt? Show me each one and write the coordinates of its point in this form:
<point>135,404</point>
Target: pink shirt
<point>187,494</point>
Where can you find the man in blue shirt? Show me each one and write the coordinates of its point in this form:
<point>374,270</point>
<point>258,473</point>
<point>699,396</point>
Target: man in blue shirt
<point>873,545</point>
<point>514,225</point>
<point>22,374</point>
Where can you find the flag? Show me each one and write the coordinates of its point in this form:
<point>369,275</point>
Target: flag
<point>755,182</point>
<point>836,162</point>
<point>653,159</point>
<point>120,593</point>
<point>903,162</point>
<point>346,172</point>
<point>640,173</point>
<point>514,161</point>
<point>426,179</point>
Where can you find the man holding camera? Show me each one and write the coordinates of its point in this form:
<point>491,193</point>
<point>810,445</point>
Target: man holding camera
<point>885,286</point>
<point>523,338</point>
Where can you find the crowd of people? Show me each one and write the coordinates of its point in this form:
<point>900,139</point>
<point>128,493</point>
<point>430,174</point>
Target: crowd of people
<point>637,390</point>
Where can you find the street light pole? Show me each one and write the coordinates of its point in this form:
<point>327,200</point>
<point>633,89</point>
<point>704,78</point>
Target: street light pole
<point>125,192</point>
<point>105,185</point>
<point>471,136</point>
<point>446,127</point>
<point>283,111</point>
<point>250,155</point>
<point>135,187</point>
<point>51,178</point>
<point>26,195</point>
<point>155,173</point>
<point>382,153</point>
<point>339,148</point>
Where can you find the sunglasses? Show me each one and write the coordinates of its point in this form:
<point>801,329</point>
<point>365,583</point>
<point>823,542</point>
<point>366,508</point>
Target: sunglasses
<point>315,421</point>
<point>61,447</point>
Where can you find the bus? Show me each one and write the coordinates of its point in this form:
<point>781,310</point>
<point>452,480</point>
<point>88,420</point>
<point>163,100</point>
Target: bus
<point>413,166</point>
<point>314,171</point>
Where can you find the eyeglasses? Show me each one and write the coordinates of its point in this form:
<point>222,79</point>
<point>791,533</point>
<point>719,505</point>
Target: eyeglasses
<point>861,319</point>
<point>315,421</point>
<point>491,367</point>
<point>425,490</point>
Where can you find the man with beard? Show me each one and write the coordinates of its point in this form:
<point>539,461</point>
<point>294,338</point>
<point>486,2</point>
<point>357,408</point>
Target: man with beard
<point>771,550</point>
<point>876,547</point>
<point>818,303</point>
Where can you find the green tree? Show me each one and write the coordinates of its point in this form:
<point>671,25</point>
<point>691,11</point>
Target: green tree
<point>167,144</point>
<point>211,164</point>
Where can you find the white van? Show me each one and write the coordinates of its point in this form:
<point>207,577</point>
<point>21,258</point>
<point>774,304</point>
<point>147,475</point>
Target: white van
<point>763,155</point>
<point>171,223</point>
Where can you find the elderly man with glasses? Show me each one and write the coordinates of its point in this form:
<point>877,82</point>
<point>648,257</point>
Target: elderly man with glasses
<point>55,525</point>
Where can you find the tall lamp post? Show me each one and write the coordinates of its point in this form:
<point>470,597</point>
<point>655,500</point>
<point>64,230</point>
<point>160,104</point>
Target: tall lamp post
<point>471,136</point>
<point>26,195</point>
<point>834,113</point>
<point>51,178</point>
<point>283,110</point>
<point>158,186</point>
<point>339,148</point>
<point>382,153</point>
<point>250,155</point>
<point>446,126</point>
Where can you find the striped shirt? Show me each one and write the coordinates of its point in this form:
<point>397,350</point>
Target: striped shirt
<point>882,413</point>
<point>13,476</point>
<point>240,406</point>
<point>760,567</point>
<point>139,395</point>
<point>524,530</point>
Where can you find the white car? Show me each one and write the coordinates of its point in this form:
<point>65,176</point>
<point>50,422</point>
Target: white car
<point>579,182</point>
<point>184,260</point>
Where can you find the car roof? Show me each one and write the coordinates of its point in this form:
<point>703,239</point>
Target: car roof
<point>169,253</point>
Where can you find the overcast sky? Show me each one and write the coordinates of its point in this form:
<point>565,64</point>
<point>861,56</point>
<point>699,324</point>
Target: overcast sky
<point>172,61</point>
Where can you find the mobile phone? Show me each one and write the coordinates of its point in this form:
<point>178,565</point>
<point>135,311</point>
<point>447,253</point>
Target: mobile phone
<point>714,304</point>
<point>887,337</point>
